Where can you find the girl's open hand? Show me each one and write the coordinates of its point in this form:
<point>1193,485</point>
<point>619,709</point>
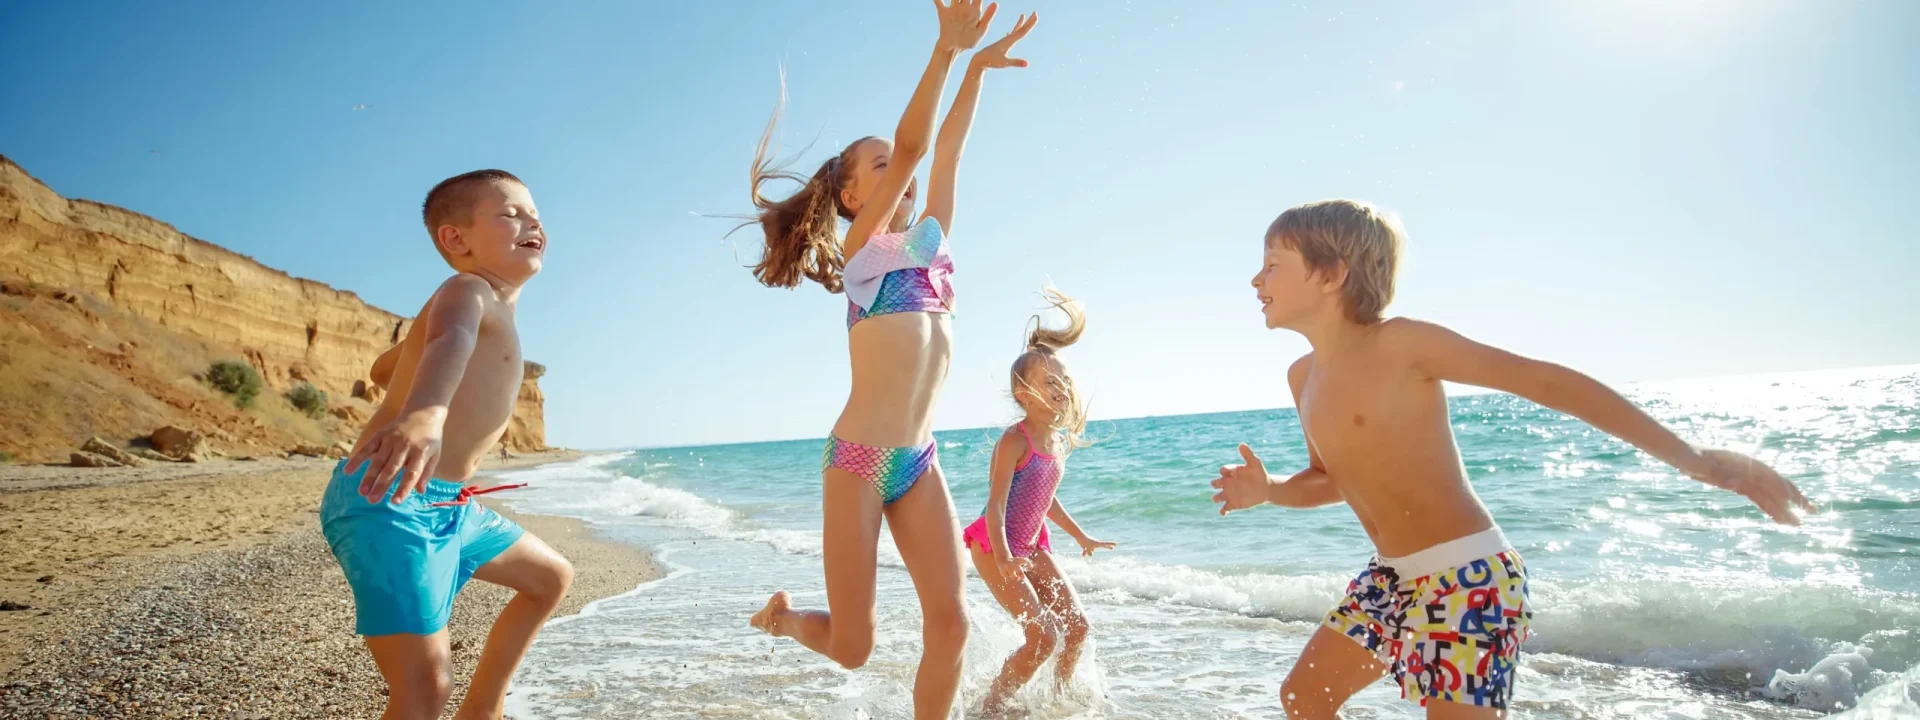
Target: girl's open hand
<point>1088,545</point>
<point>963,23</point>
<point>995,55</point>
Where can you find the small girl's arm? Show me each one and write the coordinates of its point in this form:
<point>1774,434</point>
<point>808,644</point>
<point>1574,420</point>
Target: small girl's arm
<point>1058,514</point>
<point>1007,454</point>
<point>953,131</point>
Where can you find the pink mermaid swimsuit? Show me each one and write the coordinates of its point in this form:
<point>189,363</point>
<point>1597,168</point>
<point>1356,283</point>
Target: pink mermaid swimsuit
<point>900,272</point>
<point>894,273</point>
<point>1029,497</point>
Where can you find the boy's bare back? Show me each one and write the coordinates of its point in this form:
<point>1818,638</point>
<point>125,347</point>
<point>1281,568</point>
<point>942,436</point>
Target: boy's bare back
<point>483,401</point>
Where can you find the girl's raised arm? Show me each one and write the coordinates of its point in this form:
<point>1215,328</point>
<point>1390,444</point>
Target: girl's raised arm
<point>961,24</point>
<point>953,131</point>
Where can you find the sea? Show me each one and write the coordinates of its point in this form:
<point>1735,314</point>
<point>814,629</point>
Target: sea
<point>1654,596</point>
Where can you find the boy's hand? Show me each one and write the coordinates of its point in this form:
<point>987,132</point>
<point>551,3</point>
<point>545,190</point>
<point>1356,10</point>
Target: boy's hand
<point>1243,486</point>
<point>962,23</point>
<point>1088,545</point>
<point>995,55</point>
<point>1775,495</point>
<point>1013,568</point>
<point>406,451</point>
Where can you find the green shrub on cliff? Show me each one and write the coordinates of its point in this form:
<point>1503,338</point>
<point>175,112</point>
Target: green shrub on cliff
<point>237,379</point>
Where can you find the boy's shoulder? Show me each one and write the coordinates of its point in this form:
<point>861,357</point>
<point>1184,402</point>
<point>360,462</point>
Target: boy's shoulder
<point>465,283</point>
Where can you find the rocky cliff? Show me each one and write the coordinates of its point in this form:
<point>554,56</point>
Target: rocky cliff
<point>290,329</point>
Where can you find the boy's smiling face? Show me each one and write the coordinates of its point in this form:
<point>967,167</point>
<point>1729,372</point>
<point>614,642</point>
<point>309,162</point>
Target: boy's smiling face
<point>503,238</point>
<point>1287,289</point>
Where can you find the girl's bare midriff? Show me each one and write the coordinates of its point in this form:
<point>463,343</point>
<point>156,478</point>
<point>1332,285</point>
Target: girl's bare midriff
<point>899,364</point>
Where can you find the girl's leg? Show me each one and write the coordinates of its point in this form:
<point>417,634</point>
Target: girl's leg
<point>850,536</point>
<point>1056,594</point>
<point>1331,668</point>
<point>928,536</point>
<point>1017,596</point>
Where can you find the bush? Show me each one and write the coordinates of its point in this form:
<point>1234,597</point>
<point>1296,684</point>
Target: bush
<point>6,457</point>
<point>237,379</point>
<point>308,399</point>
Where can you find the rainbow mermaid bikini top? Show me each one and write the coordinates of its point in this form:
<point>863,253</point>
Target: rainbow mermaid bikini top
<point>900,272</point>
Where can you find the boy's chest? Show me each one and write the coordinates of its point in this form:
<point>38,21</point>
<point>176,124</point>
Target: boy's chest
<point>1342,407</point>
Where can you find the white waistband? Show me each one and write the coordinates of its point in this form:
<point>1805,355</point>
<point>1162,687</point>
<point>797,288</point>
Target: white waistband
<point>1450,554</point>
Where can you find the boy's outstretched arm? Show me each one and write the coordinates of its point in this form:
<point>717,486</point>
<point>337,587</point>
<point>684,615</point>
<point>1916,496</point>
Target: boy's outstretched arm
<point>408,449</point>
<point>1244,486</point>
<point>1442,354</point>
<point>952,139</point>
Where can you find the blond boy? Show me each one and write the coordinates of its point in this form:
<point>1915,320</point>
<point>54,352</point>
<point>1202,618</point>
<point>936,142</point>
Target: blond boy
<point>1443,605</point>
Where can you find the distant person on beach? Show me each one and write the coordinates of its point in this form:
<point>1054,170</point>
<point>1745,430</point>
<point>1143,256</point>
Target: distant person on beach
<point>397,513</point>
<point>881,461</point>
<point>1442,607</point>
<point>1010,545</point>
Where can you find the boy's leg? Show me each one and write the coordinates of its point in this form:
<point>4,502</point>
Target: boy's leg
<point>849,544</point>
<point>1331,669</point>
<point>1030,613</point>
<point>1056,592</point>
<point>419,674</point>
<point>540,578</point>
<point>927,533</point>
<point>1442,710</point>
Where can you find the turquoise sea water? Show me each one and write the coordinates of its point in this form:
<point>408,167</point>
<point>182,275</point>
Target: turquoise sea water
<point>1654,596</point>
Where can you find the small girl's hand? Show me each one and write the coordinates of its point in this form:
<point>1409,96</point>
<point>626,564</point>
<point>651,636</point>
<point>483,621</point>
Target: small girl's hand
<point>1014,567</point>
<point>962,23</point>
<point>995,55</point>
<point>1088,545</point>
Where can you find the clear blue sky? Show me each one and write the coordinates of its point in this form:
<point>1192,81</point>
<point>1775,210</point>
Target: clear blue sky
<point>1642,189</point>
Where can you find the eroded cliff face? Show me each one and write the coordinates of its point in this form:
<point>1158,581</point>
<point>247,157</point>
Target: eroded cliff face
<point>290,329</point>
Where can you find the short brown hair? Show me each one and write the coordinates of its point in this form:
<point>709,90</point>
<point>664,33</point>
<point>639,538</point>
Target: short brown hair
<point>1356,234</point>
<point>451,202</point>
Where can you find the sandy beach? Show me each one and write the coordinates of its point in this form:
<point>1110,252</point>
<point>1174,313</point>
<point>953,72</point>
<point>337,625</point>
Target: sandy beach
<point>205,590</point>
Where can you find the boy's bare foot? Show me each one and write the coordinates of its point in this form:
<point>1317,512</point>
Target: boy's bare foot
<point>777,606</point>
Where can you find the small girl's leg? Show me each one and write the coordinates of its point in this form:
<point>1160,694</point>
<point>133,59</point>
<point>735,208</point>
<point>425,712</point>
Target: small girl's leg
<point>1056,595</point>
<point>1017,596</point>
<point>850,537</point>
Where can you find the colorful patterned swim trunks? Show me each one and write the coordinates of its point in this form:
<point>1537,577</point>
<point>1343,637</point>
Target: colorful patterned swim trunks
<point>1449,633</point>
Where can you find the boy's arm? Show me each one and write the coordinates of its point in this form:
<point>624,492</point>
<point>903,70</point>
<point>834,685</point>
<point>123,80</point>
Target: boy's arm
<point>1442,354</point>
<point>409,447</point>
<point>953,130</point>
<point>382,371</point>
<point>1249,485</point>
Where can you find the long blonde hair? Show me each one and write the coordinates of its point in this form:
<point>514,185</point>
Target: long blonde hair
<point>1044,342</point>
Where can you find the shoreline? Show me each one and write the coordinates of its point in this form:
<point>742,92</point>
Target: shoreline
<point>167,591</point>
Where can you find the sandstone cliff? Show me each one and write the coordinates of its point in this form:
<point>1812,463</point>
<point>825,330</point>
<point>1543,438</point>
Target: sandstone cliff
<point>290,329</point>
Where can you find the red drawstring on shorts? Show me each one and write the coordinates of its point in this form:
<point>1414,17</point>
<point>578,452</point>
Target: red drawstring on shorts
<point>467,492</point>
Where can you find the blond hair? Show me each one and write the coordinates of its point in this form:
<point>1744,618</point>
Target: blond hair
<point>1351,234</point>
<point>1045,342</point>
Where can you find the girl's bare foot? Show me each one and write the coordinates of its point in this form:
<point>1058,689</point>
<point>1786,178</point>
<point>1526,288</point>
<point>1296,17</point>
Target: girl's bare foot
<point>768,616</point>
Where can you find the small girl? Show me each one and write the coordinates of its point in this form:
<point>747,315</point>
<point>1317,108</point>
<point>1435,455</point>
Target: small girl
<point>1009,541</point>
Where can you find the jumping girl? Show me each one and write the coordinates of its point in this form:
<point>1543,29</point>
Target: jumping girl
<point>1009,541</point>
<point>880,461</point>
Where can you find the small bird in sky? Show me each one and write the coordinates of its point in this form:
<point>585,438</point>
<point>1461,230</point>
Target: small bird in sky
<point>362,107</point>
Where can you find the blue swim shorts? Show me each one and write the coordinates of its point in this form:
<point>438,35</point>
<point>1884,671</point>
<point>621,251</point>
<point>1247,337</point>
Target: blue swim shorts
<point>405,561</point>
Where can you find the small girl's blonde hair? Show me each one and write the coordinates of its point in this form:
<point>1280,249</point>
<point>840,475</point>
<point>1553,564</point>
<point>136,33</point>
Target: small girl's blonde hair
<point>1044,342</point>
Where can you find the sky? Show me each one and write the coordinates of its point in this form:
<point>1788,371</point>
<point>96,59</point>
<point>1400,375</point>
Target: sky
<point>1642,189</point>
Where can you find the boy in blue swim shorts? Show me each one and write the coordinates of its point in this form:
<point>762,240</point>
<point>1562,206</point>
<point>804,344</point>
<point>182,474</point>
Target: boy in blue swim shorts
<point>1442,608</point>
<point>398,513</point>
